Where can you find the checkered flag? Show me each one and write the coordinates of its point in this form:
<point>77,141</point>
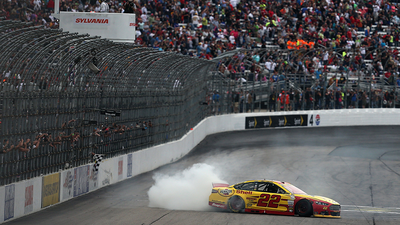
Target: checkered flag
<point>97,159</point>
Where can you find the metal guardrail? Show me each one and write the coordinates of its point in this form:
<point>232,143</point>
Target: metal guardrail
<point>65,95</point>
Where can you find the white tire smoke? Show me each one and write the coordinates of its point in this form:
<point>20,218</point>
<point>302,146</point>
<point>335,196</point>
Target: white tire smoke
<point>186,190</point>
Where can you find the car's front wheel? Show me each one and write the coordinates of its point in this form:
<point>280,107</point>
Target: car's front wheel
<point>236,204</point>
<point>304,208</point>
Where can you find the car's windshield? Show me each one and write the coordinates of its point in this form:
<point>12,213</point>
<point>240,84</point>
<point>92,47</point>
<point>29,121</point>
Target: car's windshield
<point>293,189</point>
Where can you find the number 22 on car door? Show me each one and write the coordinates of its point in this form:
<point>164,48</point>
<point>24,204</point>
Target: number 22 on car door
<point>269,198</point>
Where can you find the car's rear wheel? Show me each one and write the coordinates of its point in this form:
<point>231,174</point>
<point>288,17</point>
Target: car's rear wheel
<point>304,208</point>
<point>236,204</point>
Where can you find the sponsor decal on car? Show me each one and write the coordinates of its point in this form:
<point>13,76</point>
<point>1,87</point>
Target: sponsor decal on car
<point>244,192</point>
<point>252,200</point>
<point>226,192</point>
<point>219,202</point>
<point>218,205</point>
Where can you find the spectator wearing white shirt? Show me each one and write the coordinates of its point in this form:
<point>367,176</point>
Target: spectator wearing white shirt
<point>97,8</point>
<point>144,10</point>
<point>326,58</point>
<point>311,27</point>
<point>270,65</point>
<point>376,11</point>
<point>232,39</point>
<point>362,51</point>
<point>144,17</point>
<point>37,4</point>
<point>349,44</point>
<point>195,20</point>
<point>104,8</point>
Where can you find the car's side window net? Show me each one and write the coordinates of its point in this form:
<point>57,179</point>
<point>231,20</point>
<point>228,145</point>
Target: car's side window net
<point>262,186</point>
<point>248,186</point>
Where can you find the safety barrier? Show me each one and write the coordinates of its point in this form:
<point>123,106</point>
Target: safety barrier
<point>64,95</point>
<point>22,198</point>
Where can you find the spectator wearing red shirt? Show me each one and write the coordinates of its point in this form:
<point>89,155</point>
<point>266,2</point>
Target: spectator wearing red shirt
<point>50,5</point>
<point>349,34</point>
<point>352,20</point>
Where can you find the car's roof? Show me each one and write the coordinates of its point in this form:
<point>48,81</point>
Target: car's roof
<point>265,180</point>
<point>291,188</point>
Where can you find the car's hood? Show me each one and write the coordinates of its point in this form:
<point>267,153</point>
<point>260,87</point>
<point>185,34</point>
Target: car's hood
<point>317,198</point>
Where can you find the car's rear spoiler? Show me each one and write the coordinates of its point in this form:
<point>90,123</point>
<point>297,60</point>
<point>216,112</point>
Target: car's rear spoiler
<point>219,185</point>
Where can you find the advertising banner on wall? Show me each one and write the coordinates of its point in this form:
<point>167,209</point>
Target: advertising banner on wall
<point>28,207</point>
<point>276,121</point>
<point>9,202</point>
<point>93,179</point>
<point>67,182</point>
<point>107,177</point>
<point>51,190</point>
<point>120,168</point>
<point>81,180</point>
<point>129,166</point>
<point>314,120</point>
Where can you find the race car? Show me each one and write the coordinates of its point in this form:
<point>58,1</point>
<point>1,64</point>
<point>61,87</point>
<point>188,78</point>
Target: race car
<point>271,197</point>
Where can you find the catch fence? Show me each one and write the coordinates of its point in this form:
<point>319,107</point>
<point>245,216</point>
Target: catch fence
<point>65,95</point>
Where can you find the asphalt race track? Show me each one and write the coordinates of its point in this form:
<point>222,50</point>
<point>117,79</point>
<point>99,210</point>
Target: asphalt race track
<point>357,166</point>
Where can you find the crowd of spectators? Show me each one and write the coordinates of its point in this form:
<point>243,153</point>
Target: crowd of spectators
<point>44,139</point>
<point>205,29</point>
<point>103,131</point>
<point>353,37</point>
<point>309,99</point>
<point>208,28</point>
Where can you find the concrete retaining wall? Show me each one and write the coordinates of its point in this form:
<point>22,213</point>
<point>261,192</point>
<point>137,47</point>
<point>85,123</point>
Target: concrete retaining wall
<point>32,195</point>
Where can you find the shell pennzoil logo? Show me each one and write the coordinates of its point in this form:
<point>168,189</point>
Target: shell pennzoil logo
<point>225,192</point>
<point>244,192</point>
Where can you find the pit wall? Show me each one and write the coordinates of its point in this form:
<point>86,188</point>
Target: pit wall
<point>25,197</point>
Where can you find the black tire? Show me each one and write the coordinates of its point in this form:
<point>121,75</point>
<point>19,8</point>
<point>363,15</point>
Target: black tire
<point>304,208</point>
<point>236,204</point>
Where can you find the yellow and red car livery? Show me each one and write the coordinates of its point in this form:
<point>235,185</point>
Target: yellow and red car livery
<point>271,197</point>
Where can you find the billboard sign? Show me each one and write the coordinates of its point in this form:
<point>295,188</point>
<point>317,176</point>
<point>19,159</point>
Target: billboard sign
<point>119,27</point>
<point>276,121</point>
<point>9,202</point>
<point>81,180</point>
<point>51,190</point>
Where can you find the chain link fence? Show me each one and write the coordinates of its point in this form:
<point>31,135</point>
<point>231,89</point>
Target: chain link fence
<point>66,95</point>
